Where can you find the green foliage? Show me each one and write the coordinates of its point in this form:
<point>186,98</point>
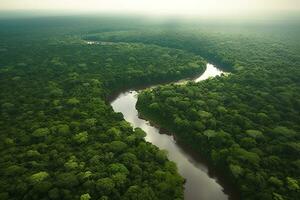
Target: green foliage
<point>54,193</point>
<point>292,184</point>
<point>117,168</point>
<point>246,123</point>
<point>38,177</point>
<point>275,181</point>
<point>105,185</point>
<point>33,153</point>
<point>85,197</point>
<point>210,133</point>
<point>91,122</point>
<point>81,137</point>
<point>254,133</point>
<point>139,133</point>
<point>73,101</point>
<point>71,164</point>
<point>117,146</point>
<point>63,129</point>
<point>41,132</point>
<point>61,140</point>
<point>135,192</point>
<point>236,170</point>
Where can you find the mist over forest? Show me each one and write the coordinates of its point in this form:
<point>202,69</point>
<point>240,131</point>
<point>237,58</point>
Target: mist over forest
<point>195,100</point>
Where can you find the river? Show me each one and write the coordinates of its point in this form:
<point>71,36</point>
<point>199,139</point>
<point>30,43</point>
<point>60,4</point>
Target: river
<point>201,181</point>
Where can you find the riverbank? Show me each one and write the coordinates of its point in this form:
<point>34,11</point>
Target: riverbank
<point>202,181</point>
<point>185,76</point>
<point>196,152</point>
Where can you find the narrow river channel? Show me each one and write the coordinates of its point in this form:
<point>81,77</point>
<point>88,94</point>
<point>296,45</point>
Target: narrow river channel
<point>200,184</point>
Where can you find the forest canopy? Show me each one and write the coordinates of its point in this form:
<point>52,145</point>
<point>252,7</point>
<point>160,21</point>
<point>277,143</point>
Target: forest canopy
<point>246,123</point>
<point>60,139</point>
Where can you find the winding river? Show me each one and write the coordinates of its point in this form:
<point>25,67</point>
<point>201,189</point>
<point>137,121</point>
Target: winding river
<point>201,182</point>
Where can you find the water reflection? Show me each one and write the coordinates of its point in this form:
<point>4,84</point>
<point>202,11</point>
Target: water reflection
<point>211,71</point>
<point>199,185</point>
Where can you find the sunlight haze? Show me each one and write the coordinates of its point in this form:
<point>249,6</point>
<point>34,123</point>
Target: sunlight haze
<point>157,7</point>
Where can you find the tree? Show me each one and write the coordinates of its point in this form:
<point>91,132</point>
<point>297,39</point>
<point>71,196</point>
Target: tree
<point>136,193</point>
<point>139,133</point>
<point>284,131</point>
<point>63,129</point>
<point>39,177</point>
<point>275,181</point>
<point>292,184</point>
<point>254,133</point>
<point>41,132</point>
<point>85,196</point>
<point>67,180</point>
<point>210,133</point>
<point>73,101</point>
<point>236,170</point>
<point>81,137</point>
<point>90,122</point>
<point>54,193</point>
<point>71,164</point>
<point>119,179</point>
<point>117,146</point>
<point>105,185</point>
<point>118,168</point>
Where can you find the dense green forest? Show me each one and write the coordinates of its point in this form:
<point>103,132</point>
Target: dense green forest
<point>247,124</point>
<point>60,139</point>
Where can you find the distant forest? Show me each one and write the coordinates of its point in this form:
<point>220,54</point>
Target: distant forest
<point>60,138</point>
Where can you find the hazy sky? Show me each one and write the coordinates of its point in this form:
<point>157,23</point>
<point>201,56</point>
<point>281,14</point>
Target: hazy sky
<point>189,7</point>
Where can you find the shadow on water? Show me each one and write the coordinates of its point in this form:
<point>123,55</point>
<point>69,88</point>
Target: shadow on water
<point>202,181</point>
